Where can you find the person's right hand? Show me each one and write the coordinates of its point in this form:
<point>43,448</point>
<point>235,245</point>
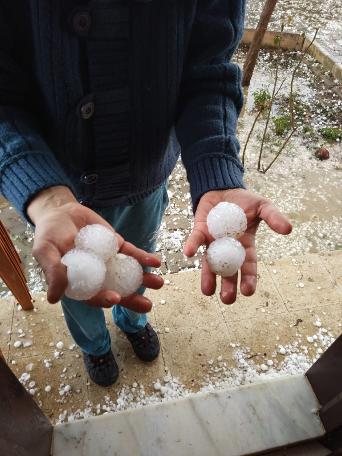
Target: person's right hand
<point>58,217</point>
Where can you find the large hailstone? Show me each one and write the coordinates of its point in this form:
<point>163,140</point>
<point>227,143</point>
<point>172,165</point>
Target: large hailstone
<point>99,239</point>
<point>86,273</point>
<point>225,256</point>
<point>226,219</point>
<point>124,275</point>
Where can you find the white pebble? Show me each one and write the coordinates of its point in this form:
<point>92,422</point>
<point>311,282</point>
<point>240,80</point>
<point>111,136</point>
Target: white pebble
<point>263,367</point>
<point>99,239</point>
<point>86,273</point>
<point>17,344</point>
<point>48,388</point>
<point>301,285</point>
<point>282,350</point>
<point>270,362</point>
<point>124,275</point>
<point>167,330</point>
<point>226,219</point>
<point>157,386</point>
<point>310,339</point>
<point>28,343</point>
<point>25,377</point>
<point>162,301</point>
<point>318,323</point>
<point>225,256</point>
<point>60,345</point>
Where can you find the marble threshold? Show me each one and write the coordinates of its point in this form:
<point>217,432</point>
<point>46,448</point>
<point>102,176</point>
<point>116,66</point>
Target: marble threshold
<point>231,422</point>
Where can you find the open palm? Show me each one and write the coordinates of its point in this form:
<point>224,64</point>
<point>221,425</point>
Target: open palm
<point>257,208</point>
<point>54,236</point>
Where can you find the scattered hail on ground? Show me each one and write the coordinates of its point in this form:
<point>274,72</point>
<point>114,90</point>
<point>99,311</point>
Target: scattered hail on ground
<point>303,187</point>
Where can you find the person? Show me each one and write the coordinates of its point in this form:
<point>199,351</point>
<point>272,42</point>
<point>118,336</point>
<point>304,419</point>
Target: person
<point>97,101</point>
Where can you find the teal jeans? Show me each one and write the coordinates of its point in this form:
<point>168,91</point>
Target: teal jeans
<point>139,225</point>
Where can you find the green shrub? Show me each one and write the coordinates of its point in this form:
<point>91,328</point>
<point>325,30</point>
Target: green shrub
<point>282,124</point>
<point>308,130</point>
<point>331,134</point>
<point>262,99</point>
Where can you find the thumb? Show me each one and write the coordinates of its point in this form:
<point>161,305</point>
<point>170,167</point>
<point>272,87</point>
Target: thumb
<point>275,219</point>
<point>49,258</point>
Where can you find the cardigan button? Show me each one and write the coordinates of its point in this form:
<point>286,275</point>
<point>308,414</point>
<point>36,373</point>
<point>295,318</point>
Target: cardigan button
<point>81,22</point>
<point>87,110</point>
<point>89,178</point>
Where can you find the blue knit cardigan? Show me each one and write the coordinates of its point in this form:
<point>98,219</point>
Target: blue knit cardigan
<point>103,96</point>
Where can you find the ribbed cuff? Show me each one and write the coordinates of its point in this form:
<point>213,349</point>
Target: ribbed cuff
<point>27,174</point>
<point>213,173</point>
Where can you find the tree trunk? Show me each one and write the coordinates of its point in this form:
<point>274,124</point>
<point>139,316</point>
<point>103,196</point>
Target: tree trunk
<point>254,49</point>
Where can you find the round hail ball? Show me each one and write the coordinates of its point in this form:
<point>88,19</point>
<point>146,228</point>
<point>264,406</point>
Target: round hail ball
<point>124,275</point>
<point>99,239</point>
<point>86,273</point>
<point>225,256</point>
<point>226,219</point>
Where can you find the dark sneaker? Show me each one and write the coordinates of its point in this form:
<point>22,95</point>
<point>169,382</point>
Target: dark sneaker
<point>103,370</point>
<point>145,343</point>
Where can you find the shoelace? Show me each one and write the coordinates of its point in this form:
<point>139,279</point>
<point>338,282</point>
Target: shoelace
<point>142,339</point>
<point>103,361</point>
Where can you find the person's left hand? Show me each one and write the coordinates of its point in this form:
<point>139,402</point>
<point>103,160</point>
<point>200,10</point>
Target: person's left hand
<point>257,208</point>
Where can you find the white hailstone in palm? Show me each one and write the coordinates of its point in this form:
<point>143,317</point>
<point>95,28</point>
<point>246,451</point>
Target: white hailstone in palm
<point>226,220</point>
<point>124,275</point>
<point>86,273</point>
<point>225,256</point>
<point>99,239</point>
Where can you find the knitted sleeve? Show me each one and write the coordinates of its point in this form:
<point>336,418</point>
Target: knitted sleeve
<point>211,99</point>
<point>27,165</point>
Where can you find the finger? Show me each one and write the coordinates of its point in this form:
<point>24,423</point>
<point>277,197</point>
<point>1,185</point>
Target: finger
<point>275,219</point>
<point>208,279</point>
<point>249,272</point>
<point>229,289</point>
<point>55,273</point>
<point>144,258</point>
<point>137,303</point>
<point>153,281</point>
<point>106,299</point>
<point>194,241</point>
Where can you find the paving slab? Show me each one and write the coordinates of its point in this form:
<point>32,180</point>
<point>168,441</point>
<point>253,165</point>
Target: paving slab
<point>6,317</point>
<point>204,342</point>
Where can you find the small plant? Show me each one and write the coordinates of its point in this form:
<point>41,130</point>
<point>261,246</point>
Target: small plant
<point>307,130</point>
<point>262,99</point>
<point>332,134</point>
<point>282,124</point>
<point>289,122</point>
<point>292,92</point>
